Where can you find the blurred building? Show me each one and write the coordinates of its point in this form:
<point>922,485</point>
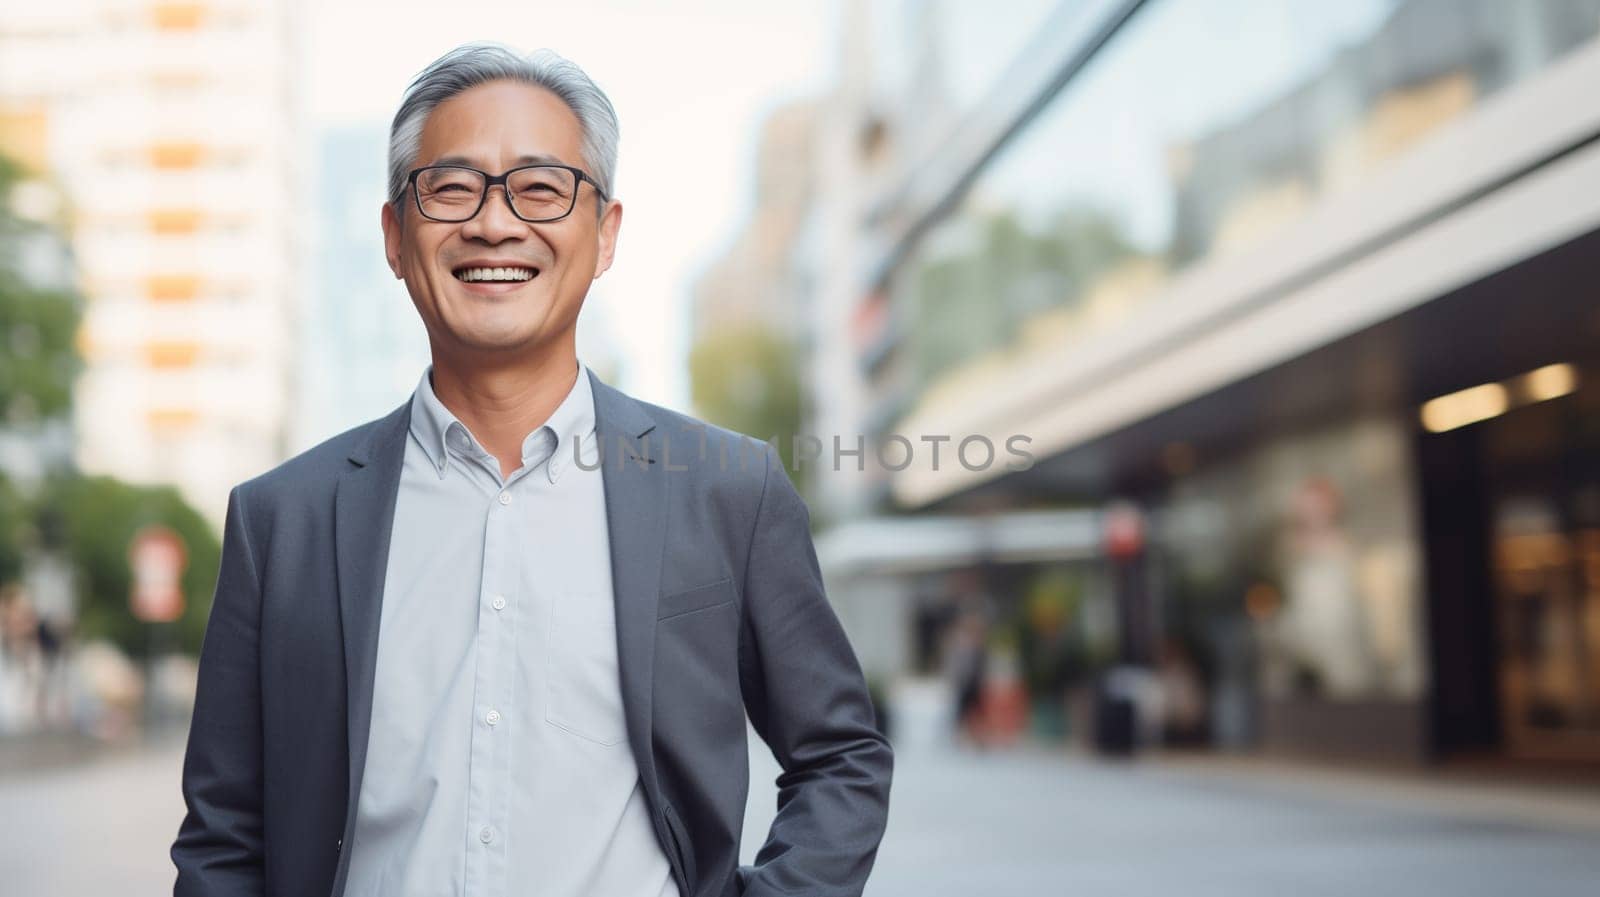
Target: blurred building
<point>362,345</point>
<point>171,128</point>
<point>750,285</point>
<point>1309,285</point>
<point>748,307</point>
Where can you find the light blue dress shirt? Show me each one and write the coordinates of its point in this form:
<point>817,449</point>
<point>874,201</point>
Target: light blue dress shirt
<point>498,762</point>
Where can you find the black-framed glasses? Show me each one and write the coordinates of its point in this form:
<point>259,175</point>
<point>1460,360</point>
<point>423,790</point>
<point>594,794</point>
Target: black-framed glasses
<point>535,193</point>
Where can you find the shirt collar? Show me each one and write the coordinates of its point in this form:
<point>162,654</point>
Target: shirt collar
<point>439,431</point>
<point>572,423</point>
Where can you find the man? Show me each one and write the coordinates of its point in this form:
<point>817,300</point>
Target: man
<point>503,640</point>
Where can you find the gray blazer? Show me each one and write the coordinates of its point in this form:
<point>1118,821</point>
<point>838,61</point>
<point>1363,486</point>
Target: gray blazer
<point>720,612</point>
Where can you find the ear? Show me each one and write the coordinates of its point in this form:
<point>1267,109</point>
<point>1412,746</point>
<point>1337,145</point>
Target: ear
<point>391,238</point>
<point>610,223</point>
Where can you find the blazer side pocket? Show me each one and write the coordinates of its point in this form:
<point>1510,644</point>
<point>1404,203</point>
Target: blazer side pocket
<point>681,846</point>
<point>713,594</point>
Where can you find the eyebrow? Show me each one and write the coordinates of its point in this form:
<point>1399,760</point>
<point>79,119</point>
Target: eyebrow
<point>536,159</point>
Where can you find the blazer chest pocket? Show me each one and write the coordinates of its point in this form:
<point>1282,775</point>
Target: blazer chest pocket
<point>583,693</point>
<point>713,594</point>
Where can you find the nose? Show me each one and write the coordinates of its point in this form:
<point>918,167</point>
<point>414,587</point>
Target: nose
<point>495,222</point>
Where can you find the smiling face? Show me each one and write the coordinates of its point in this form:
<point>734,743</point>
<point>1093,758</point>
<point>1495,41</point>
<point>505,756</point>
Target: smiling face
<point>470,313</point>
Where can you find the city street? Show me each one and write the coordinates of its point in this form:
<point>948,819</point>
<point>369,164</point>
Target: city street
<point>1038,824</point>
<point>1023,823</point>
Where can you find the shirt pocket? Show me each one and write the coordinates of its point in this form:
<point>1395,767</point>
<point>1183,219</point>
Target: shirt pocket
<point>583,689</point>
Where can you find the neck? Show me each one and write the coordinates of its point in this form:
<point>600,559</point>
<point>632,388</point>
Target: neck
<point>502,403</point>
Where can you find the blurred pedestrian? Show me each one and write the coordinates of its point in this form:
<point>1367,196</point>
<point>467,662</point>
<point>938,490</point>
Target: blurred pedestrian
<point>1183,696</point>
<point>21,668</point>
<point>54,697</point>
<point>966,663</point>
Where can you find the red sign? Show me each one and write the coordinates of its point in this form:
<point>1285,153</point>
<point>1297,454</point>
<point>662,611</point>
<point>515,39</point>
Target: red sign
<point>1124,531</point>
<point>158,557</point>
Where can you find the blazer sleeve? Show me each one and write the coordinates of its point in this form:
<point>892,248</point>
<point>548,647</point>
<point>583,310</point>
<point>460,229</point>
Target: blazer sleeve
<point>807,698</point>
<point>218,850</point>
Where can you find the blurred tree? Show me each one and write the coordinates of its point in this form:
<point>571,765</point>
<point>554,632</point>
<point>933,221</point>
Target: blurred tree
<point>14,525</point>
<point>38,360</point>
<point>89,520</point>
<point>748,379</point>
<point>93,520</point>
<point>989,275</point>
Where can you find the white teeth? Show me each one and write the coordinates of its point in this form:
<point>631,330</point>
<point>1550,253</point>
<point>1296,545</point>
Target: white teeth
<point>471,275</point>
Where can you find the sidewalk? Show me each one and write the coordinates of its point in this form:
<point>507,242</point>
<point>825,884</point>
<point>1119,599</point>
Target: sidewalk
<point>34,753</point>
<point>1488,793</point>
<point>70,828</point>
<point>22,755</point>
<point>1459,792</point>
<point>1043,819</point>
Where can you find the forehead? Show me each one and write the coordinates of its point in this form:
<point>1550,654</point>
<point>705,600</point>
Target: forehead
<point>496,123</point>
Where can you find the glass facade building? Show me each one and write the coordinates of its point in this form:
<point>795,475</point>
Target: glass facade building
<point>1244,264</point>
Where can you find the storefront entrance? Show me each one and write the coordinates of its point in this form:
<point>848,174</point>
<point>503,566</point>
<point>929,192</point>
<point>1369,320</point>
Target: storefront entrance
<point>1512,519</point>
<point>1542,470</point>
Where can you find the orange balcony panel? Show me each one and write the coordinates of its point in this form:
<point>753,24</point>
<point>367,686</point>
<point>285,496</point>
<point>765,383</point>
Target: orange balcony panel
<point>172,287</point>
<point>25,133</point>
<point>171,355</point>
<point>178,16</point>
<point>173,222</point>
<point>177,155</point>
<point>171,419</point>
<point>178,79</point>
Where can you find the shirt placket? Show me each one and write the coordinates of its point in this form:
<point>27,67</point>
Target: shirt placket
<point>493,725</point>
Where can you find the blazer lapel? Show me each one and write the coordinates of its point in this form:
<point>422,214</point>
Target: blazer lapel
<point>363,517</point>
<point>636,508</point>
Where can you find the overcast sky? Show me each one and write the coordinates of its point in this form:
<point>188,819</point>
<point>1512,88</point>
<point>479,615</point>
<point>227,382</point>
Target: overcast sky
<point>690,80</point>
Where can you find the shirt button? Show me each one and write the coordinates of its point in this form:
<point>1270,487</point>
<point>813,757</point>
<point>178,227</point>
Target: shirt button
<point>486,834</point>
<point>505,498</point>
<point>492,717</point>
<point>499,602</point>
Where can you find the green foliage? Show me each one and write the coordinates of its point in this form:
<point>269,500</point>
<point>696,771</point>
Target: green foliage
<point>748,379</point>
<point>15,523</point>
<point>94,519</point>
<point>91,520</point>
<point>977,293</point>
<point>88,520</point>
<point>38,361</point>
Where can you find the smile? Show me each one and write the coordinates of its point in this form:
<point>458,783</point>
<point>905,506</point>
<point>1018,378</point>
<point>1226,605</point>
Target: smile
<point>478,275</point>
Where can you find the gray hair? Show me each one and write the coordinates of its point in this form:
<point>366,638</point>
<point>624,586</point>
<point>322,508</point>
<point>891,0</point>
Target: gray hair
<point>468,66</point>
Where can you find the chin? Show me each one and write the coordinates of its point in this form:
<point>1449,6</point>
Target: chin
<point>498,341</point>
